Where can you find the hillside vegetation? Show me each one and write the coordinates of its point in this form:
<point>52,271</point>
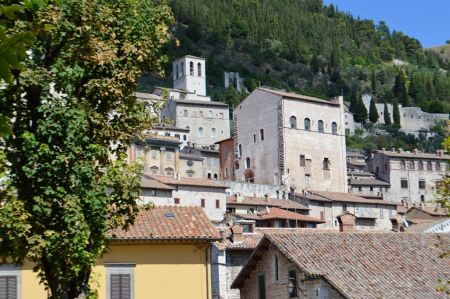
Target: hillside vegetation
<point>306,47</point>
<point>443,51</point>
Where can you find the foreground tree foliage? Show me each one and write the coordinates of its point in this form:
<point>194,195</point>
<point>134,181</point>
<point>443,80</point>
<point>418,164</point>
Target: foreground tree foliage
<point>74,113</point>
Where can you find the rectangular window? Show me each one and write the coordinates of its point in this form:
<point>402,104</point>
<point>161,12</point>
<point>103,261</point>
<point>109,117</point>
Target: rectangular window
<point>404,183</point>
<point>261,287</point>
<point>293,283</point>
<point>254,138</point>
<point>217,204</point>
<point>326,164</point>
<point>202,203</point>
<point>302,161</point>
<point>154,153</point>
<point>322,215</point>
<point>381,213</point>
<point>176,201</point>
<point>371,188</point>
<point>261,134</point>
<point>275,267</point>
<point>185,112</point>
<point>139,152</point>
<point>168,156</point>
<point>120,281</point>
<point>421,184</point>
<point>8,287</point>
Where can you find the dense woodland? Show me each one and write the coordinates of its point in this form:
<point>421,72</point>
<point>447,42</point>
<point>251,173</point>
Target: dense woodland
<point>304,46</point>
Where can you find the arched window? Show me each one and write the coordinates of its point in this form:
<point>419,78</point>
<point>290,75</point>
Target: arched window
<point>438,166</point>
<point>334,128</point>
<point>215,175</point>
<point>247,163</point>
<point>429,166</point>
<point>240,150</point>
<point>182,69</point>
<point>422,198</point>
<point>213,132</point>
<point>307,124</point>
<point>209,176</point>
<point>411,165</point>
<point>402,165</point>
<point>420,165</point>
<point>210,113</point>
<point>177,71</point>
<point>191,68</point>
<point>199,69</point>
<point>320,126</point>
<point>200,131</point>
<point>293,122</point>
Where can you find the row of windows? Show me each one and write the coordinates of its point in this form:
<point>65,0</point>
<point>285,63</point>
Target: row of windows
<point>420,165</point>
<point>213,132</point>
<point>179,69</point>
<point>177,201</point>
<point>422,183</point>
<point>307,125</point>
<point>325,162</point>
<point>210,114</point>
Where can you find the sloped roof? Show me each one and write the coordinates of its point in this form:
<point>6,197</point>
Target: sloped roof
<point>343,197</point>
<point>364,265</point>
<point>296,96</point>
<point>368,182</point>
<point>276,213</point>
<point>414,155</point>
<point>422,227</point>
<point>186,181</point>
<point>433,211</point>
<point>200,103</point>
<point>169,223</point>
<point>272,202</point>
<point>150,183</point>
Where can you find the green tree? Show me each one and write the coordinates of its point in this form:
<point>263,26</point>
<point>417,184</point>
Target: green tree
<point>373,113</point>
<point>360,113</point>
<point>232,97</point>
<point>400,90</point>
<point>387,116</point>
<point>396,113</point>
<point>75,112</point>
<point>373,81</point>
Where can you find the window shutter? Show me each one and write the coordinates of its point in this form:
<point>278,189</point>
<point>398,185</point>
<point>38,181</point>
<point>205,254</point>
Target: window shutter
<point>8,287</point>
<point>120,286</point>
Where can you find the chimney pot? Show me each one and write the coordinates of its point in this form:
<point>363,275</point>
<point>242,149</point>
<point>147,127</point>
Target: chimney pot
<point>237,231</point>
<point>346,222</point>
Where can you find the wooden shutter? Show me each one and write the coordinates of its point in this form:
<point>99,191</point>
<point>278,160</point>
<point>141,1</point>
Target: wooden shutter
<point>120,286</point>
<point>8,287</point>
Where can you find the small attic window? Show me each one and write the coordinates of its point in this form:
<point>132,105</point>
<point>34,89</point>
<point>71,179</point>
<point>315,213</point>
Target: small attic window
<point>169,215</point>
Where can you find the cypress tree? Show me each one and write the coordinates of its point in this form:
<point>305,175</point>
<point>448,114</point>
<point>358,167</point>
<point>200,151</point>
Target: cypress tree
<point>374,83</point>
<point>360,113</point>
<point>373,113</point>
<point>387,117</point>
<point>396,113</point>
<point>315,64</point>
<point>399,89</point>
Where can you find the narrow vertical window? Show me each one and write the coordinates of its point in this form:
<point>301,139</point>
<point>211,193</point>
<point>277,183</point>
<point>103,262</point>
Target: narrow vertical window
<point>402,165</point>
<point>302,161</point>
<point>334,128</point>
<point>320,126</point>
<point>307,124</point>
<point>240,150</point>
<point>438,166</point>
<point>275,267</point>
<point>429,166</point>
<point>191,68</point>
<point>247,163</point>
<point>202,202</point>
<point>261,134</point>
<point>261,287</point>
<point>199,69</point>
<point>293,122</point>
<point>293,293</point>
<point>217,204</point>
<point>326,164</point>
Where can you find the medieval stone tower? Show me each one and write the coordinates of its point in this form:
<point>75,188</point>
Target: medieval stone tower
<point>189,74</point>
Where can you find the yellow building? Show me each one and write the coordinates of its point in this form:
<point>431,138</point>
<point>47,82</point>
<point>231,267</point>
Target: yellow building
<point>166,254</point>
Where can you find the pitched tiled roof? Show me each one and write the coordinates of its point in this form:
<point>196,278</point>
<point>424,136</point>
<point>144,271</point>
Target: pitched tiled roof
<point>272,202</point>
<point>357,163</point>
<point>276,213</point>
<point>169,223</point>
<point>200,103</point>
<point>296,96</point>
<point>368,182</point>
<point>421,227</point>
<point>433,211</point>
<point>364,265</point>
<point>186,181</point>
<point>414,155</point>
<point>342,197</point>
<point>150,183</point>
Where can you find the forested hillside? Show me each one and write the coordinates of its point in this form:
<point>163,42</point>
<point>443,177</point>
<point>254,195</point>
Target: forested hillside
<point>304,46</point>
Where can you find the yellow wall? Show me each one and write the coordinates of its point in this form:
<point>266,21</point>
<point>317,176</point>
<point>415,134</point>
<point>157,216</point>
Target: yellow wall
<point>161,271</point>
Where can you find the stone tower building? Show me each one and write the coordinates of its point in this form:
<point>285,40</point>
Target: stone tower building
<point>291,139</point>
<point>189,74</point>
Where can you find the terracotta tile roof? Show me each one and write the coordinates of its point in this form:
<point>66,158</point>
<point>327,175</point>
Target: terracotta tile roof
<point>368,182</point>
<point>401,209</point>
<point>276,213</point>
<point>364,265</point>
<point>360,173</point>
<point>296,96</point>
<point>434,211</point>
<point>422,227</point>
<point>186,181</point>
<point>414,155</point>
<point>342,197</point>
<point>357,163</point>
<point>150,183</point>
<point>273,202</point>
<point>170,223</point>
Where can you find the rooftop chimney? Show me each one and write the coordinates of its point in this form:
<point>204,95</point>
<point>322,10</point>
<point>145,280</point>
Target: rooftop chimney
<point>239,198</point>
<point>346,222</point>
<point>267,197</point>
<point>237,231</point>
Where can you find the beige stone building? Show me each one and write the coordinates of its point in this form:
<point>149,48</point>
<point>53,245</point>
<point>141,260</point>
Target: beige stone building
<point>371,214</point>
<point>291,139</point>
<point>413,176</point>
<point>190,108</point>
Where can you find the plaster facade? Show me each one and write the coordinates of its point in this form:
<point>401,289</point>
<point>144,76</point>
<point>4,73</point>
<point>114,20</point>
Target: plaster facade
<point>413,176</point>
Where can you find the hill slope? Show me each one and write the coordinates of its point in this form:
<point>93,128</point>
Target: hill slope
<point>304,46</point>
<point>442,51</point>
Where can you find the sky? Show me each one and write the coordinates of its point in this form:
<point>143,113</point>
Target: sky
<point>426,20</point>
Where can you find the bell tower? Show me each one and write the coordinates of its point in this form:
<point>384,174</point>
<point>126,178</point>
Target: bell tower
<point>189,74</point>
